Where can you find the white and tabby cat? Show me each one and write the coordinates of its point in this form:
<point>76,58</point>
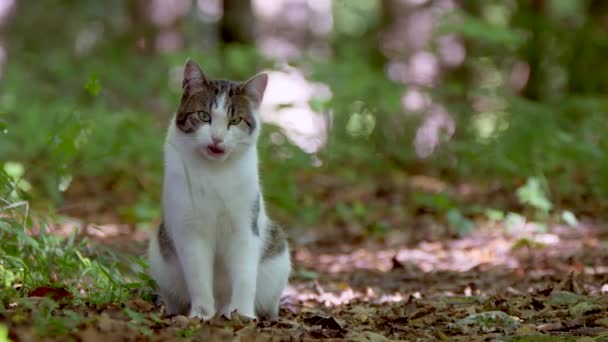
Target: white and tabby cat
<point>216,251</point>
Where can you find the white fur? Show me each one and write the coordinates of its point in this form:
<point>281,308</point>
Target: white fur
<point>207,211</point>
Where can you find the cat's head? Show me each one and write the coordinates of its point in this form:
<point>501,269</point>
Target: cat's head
<point>218,118</point>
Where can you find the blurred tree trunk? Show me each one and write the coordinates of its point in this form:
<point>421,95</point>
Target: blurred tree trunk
<point>589,48</point>
<point>370,44</point>
<point>531,16</point>
<point>389,9</point>
<point>598,10</point>
<point>142,30</point>
<point>238,22</point>
<point>461,78</point>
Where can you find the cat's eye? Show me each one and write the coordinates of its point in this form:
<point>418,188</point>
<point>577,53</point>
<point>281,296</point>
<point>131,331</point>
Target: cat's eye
<point>204,116</point>
<point>235,120</point>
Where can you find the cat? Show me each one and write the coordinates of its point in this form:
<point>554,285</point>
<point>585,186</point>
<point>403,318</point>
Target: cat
<point>216,250</point>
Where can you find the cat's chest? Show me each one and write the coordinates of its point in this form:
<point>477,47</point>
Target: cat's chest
<point>219,201</point>
<point>197,195</point>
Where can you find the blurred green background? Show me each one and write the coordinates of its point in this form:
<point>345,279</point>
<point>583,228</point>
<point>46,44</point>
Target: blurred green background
<point>375,109</point>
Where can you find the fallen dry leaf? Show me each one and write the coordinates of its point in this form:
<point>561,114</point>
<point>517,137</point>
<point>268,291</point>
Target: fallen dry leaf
<point>325,322</point>
<point>55,293</point>
<point>356,287</point>
<point>550,327</point>
<point>139,304</point>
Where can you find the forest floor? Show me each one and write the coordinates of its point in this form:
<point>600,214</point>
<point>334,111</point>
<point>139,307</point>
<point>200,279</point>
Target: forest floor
<point>523,284</point>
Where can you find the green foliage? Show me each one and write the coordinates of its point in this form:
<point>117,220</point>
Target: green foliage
<point>31,261</point>
<point>366,111</point>
<point>355,17</point>
<point>459,223</point>
<point>64,139</point>
<point>553,127</point>
<point>100,113</point>
<point>483,31</point>
<point>4,333</point>
<point>50,320</point>
<point>569,218</point>
<point>438,202</point>
<point>533,195</point>
<point>93,86</point>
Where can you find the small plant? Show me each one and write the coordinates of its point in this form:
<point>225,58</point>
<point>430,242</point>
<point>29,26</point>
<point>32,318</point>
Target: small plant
<point>90,273</point>
<point>532,194</point>
<point>459,223</point>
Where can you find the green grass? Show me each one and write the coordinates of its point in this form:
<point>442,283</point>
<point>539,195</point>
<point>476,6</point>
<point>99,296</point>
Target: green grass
<point>91,273</point>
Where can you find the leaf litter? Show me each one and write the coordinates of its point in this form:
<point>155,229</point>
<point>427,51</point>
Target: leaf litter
<point>351,283</point>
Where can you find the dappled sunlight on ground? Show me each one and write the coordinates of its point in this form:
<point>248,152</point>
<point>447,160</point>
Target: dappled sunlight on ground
<point>384,256</point>
<point>431,283</point>
<point>335,273</point>
<point>405,286</point>
<point>480,250</point>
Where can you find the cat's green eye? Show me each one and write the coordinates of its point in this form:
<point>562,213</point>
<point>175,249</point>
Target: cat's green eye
<point>235,120</point>
<point>204,116</point>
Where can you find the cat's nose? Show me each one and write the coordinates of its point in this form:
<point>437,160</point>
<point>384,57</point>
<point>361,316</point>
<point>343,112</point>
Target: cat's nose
<point>216,141</point>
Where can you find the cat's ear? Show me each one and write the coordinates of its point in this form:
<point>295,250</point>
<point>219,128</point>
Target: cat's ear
<point>254,88</point>
<point>194,77</point>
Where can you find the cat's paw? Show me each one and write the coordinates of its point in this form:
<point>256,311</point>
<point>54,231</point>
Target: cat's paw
<point>234,314</point>
<point>199,311</point>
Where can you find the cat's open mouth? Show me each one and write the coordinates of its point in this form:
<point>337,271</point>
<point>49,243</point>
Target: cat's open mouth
<point>215,150</point>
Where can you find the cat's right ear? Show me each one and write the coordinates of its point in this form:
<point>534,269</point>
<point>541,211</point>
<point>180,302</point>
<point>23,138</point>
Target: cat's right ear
<point>193,76</point>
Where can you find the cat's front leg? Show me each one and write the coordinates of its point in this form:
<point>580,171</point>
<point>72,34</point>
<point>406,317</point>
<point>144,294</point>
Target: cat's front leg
<point>242,262</point>
<point>195,254</point>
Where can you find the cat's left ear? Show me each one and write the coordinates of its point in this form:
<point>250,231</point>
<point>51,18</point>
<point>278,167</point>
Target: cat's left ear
<point>254,88</point>
<point>194,77</point>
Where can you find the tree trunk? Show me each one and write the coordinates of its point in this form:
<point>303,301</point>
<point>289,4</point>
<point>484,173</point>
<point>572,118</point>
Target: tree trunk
<point>238,22</point>
<point>531,16</point>
<point>142,32</point>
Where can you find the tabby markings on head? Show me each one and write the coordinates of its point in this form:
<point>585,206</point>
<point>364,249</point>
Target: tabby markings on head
<point>201,97</point>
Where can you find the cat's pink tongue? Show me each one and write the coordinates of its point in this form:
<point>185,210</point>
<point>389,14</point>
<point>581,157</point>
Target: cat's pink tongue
<point>215,150</point>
